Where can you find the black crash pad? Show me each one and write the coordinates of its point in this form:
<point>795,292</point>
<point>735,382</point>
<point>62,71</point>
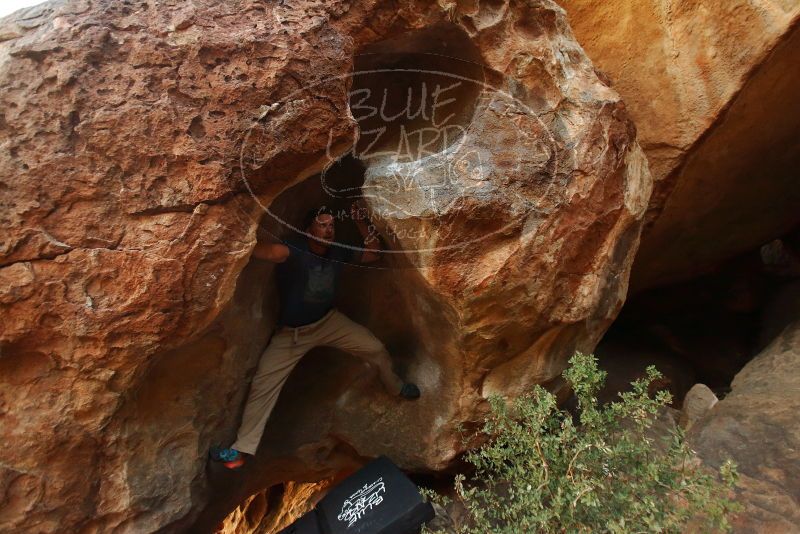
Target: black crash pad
<point>377,499</point>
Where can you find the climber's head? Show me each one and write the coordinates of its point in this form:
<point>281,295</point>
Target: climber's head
<point>319,222</point>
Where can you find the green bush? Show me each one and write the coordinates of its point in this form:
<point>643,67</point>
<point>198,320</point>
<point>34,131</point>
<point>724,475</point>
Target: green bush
<point>541,472</point>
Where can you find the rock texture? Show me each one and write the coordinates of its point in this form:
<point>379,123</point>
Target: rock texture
<point>131,315</point>
<point>756,425</point>
<point>712,87</point>
<point>698,401</point>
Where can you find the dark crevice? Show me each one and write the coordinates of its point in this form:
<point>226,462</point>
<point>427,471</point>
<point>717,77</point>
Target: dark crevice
<point>704,330</point>
<point>196,128</point>
<point>42,257</point>
<point>184,208</point>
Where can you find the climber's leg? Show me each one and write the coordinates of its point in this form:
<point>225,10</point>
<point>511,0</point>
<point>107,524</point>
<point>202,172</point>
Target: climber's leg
<point>343,333</point>
<point>279,358</point>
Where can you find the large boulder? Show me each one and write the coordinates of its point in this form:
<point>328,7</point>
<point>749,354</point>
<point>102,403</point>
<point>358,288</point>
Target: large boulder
<point>142,143</point>
<point>712,87</point>
<point>756,425</point>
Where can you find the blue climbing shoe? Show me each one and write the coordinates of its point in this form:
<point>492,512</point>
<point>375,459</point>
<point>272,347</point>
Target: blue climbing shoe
<point>230,458</point>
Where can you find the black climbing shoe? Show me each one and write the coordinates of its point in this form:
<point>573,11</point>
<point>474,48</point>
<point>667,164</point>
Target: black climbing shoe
<point>409,391</point>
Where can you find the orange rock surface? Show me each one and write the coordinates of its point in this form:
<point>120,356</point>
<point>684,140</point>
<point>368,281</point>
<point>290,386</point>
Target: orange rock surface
<point>712,88</point>
<point>141,140</point>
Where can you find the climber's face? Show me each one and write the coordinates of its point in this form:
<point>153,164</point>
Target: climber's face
<point>322,227</point>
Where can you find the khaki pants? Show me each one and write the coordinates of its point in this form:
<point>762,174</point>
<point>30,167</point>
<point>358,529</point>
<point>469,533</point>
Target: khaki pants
<point>286,348</point>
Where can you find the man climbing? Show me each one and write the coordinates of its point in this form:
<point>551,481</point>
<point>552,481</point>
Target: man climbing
<point>307,273</point>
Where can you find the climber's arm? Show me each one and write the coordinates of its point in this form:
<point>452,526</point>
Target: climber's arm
<point>266,250</point>
<point>372,245</point>
<point>372,250</point>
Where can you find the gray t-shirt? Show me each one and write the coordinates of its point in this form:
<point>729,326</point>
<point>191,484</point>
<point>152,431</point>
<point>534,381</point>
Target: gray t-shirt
<point>307,282</point>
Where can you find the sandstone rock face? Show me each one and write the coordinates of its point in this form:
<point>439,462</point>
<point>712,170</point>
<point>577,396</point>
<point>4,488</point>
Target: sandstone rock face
<point>142,142</point>
<point>712,87</point>
<point>756,425</point>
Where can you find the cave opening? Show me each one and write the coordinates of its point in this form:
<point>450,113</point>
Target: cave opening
<point>412,96</point>
<point>703,330</point>
<point>365,291</point>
